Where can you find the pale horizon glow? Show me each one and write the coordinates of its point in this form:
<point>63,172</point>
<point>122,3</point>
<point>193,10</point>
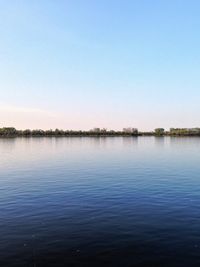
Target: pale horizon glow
<point>109,64</point>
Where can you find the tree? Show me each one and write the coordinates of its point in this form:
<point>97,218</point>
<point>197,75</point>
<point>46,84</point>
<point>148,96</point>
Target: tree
<point>8,131</point>
<point>159,131</point>
<point>26,132</point>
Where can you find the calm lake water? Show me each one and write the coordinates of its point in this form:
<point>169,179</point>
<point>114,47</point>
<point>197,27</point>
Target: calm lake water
<point>109,201</point>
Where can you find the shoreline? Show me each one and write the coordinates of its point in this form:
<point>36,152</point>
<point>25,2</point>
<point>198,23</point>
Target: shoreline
<point>95,136</point>
<point>97,132</point>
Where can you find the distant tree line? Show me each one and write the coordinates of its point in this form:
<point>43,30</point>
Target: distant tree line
<point>12,132</point>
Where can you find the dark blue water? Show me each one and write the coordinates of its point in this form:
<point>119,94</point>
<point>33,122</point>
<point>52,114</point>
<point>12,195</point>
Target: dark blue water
<point>100,201</point>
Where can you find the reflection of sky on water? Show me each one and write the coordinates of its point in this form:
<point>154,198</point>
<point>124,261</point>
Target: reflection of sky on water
<point>137,195</point>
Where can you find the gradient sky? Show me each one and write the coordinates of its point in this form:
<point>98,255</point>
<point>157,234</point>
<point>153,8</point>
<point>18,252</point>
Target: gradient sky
<point>97,63</point>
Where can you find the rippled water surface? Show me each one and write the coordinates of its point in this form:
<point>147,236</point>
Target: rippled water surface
<point>112,201</point>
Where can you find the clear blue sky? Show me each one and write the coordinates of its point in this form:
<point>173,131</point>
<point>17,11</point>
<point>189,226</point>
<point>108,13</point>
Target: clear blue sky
<point>99,63</point>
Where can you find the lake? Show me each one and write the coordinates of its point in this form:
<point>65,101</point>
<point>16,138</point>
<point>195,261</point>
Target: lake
<point>107,201</point>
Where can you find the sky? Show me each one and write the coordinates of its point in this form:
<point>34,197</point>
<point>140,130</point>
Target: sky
<point>77,64</point>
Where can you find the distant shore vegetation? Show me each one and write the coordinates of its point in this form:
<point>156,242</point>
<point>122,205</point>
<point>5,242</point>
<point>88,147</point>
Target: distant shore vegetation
<point>12,132</point>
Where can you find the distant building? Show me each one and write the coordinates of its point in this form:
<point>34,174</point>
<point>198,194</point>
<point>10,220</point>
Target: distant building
<point>130,130</point>
<point>185,131</point>
<point>194,130</point>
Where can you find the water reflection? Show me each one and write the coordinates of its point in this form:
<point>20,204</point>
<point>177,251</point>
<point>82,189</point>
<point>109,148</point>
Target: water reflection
<point>111,201</point>
<point>130,141</point>
<point>160,141</point>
